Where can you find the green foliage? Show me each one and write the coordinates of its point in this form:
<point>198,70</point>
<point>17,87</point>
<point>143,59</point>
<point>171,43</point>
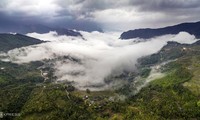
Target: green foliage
<point>16,84</point>
<point>145,72</point>
<point>198,103</point>
<point>166,98</point>
<point>19,74</point>
<point>5,79</point>
<point>48,103</point>
<point>13,98</point>
<point>178,76</point>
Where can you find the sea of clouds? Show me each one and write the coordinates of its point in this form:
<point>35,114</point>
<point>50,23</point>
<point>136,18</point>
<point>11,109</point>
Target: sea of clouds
<point>100,54</point>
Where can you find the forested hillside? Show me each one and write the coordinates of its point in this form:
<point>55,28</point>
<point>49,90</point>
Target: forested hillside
<point>175,96</point>
<point>11,41</point>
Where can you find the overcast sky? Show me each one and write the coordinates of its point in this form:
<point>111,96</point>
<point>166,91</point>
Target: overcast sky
<point>108,15</point>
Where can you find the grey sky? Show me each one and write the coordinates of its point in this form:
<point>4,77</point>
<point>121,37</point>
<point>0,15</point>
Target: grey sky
<point>109,15</point>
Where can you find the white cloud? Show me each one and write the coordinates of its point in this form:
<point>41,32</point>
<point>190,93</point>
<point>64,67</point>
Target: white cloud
<point>51,36</point>
<point>100,55</point>
<point>125,18</point>
<point>184,37</point>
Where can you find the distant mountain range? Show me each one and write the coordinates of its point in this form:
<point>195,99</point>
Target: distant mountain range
<point>192,28</point>
<point>12,41</point>
<point>38,28</point>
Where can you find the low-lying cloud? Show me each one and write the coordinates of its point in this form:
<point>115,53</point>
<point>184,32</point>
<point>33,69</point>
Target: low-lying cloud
<point>89,61</point>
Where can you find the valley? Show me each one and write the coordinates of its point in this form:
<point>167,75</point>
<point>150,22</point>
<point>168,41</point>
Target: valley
<point>175,95</point>
<point>99,60</point>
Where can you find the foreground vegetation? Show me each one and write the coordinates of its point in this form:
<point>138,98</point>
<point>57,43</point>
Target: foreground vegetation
<point>174,96</point>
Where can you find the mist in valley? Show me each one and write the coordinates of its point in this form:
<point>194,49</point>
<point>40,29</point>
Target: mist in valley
<point>88,60</point>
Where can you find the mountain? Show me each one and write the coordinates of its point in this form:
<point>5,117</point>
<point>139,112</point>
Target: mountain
<point>11,41</point>
<point>171,51</point>
<point>30,90</point>
<point>24,29</point>
<point>192,28</point>
<point>175,95</point>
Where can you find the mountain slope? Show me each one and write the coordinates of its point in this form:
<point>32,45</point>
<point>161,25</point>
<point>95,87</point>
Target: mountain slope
<point>174,96</point>
<point>171,51</point>
<point>38,28</point>
<point>192,28</point>
<point>177,94</point>
<point>11,41</point>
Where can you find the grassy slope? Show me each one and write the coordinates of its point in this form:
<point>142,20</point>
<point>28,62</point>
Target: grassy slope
<point>16,84</point>
<point>167,98</point>
<point>48,103</point>
<point>9,41</point>
<point>175,96</point>
<point>194,83</point>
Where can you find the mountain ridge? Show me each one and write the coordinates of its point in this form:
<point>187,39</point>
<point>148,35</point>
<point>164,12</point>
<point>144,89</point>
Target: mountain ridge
<point>12,41</point>
<point>147,33</point>
<point>38,28</point>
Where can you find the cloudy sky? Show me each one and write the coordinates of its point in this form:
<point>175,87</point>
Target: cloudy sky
<point>108,15</point>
